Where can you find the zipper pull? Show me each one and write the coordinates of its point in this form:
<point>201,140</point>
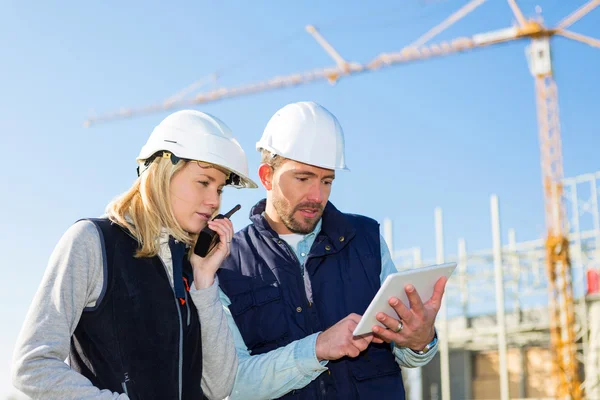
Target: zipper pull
<point>187,287</point>
<point>125,382</point>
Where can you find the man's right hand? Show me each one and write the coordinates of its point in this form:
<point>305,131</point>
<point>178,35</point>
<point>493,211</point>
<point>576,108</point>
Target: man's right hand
<point>338,341</point>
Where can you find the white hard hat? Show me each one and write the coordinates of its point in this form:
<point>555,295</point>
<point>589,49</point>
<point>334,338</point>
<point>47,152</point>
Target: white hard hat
<point>305,132</point>
<point>194,135</point>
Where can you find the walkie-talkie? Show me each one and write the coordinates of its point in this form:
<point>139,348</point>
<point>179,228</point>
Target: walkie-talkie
<point>208,238</point>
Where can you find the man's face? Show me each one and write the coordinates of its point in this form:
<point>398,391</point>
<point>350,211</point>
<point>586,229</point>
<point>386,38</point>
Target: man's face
<point>300,193</point>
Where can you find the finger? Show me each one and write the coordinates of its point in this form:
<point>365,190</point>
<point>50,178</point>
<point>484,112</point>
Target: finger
<point>226,223</point>
<point>365,339</point>
<point>386,335</point>
<point>351,325</point>
<point>230,224</point>
<point>377,334</point>
<point>363,342</point>
<point>229,228</point>
<point>221,229</point>
<point>384,339</point>
<point>438,292</point>
<point>391,323</point>
<point>222,243</point>
<point>371,337</point>
<point>222,222</point>
<point>222,249</point>
<point>353,352</point>
<point>403,312</point>
<point>416,304</point>
<point>222,246</point>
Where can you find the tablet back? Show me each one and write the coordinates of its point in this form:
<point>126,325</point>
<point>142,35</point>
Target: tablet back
<point>422,279</point>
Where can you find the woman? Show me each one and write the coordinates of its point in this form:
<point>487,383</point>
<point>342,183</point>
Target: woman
<point>124,298</point>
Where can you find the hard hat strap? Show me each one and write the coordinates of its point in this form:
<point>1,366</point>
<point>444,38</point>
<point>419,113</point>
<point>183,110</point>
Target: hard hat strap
<point>162,154</point>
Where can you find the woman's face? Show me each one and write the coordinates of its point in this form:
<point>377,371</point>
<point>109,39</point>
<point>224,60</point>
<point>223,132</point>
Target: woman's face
<point>196,195</point>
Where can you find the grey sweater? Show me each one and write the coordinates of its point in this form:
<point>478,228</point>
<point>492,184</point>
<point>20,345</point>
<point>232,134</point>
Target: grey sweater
<point>72,282</point>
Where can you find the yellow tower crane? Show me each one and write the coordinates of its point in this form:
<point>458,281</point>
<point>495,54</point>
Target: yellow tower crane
<point>562,331</point>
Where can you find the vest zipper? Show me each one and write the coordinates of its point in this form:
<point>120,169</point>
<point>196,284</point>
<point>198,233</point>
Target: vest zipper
<point>187,300</point>
<point>187,305</point>
<point>180,370</point>
<point>301,278</point>
<point>124,384</point>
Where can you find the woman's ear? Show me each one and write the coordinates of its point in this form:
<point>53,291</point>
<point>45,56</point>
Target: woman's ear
<point>265,173</point>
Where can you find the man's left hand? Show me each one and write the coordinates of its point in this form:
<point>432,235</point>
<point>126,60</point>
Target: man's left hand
<point>416,322</point>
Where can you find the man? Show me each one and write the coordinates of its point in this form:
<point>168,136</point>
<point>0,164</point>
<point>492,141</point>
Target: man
<point>299,276</point>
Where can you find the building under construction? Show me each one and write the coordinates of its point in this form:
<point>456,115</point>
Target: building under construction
<point>495,328</point>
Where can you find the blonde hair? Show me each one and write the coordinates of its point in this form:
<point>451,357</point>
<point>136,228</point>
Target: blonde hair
<point>145,209</point>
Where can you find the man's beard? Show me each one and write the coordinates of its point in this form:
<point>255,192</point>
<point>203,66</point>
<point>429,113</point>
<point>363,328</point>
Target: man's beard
<point>302,225</point>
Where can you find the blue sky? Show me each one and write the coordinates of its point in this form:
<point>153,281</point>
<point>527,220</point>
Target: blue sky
<point>446,132</point>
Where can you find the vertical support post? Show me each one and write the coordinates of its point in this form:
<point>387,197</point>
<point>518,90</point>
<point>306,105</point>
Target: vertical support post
<point>515,271</point>
<point>593,362</point>
<point>500,312</point>
<point>595,210</point>
<point>579,263</point>
<point>462,278</point>
<point>443,314</point>
<point>523,368</point>
<point>412,376</point>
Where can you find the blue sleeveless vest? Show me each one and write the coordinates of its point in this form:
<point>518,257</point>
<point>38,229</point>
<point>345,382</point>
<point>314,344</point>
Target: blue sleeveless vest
<point>262,278</point>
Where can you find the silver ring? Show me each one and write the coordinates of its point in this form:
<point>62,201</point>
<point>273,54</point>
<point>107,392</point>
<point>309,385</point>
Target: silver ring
<point>400,327</point>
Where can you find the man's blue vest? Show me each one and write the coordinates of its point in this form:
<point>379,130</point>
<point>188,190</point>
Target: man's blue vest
<point>263,279</point>
<point>139,339</point>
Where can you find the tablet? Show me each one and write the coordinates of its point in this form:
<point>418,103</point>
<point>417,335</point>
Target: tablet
<point>422,279</point>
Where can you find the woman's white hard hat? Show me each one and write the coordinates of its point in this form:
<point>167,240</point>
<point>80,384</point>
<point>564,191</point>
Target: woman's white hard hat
<point>194,135</point>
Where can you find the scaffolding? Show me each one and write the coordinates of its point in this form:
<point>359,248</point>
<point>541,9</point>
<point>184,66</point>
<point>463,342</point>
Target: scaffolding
<point>498,297</point>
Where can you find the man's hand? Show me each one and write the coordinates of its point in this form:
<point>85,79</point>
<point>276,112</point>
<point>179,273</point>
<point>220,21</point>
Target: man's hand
<point>417,321</point>
<point>338,341</point>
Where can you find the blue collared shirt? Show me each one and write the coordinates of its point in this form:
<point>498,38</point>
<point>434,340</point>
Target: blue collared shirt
<point>273,374</point>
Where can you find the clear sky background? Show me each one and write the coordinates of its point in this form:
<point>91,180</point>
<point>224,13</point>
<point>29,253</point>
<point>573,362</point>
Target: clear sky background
<point>447,132</point>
